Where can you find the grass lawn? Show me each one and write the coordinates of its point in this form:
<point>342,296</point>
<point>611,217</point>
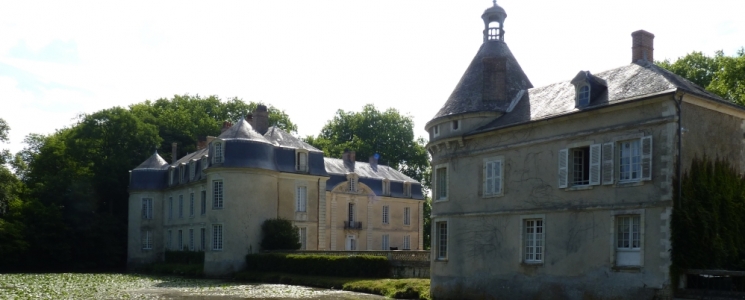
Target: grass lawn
<point>407,288</point>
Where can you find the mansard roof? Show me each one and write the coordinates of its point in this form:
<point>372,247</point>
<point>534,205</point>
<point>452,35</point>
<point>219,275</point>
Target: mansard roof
<point>631,82</point>
<point>154,162</point>
<point>281,138</point>
<point>189,156</point>
<point>242,130</point>
<point>362,169</point>
<point>467,96</point>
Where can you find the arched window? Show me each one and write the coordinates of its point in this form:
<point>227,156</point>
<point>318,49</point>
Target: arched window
<point>583,96</point>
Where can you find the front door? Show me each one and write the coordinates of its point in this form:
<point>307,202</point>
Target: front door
<point>351,243</point>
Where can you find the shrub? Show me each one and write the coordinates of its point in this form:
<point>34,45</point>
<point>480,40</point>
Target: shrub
<point>322,265</point>
<point>279,234</point>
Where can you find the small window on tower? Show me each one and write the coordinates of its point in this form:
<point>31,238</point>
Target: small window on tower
<point>456,125</point>
<point>436,130</point>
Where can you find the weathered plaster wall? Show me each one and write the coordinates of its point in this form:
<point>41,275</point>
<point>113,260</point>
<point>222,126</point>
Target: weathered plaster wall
<point>711,133</point>
<point>484,251</point>
<point>135,254</point>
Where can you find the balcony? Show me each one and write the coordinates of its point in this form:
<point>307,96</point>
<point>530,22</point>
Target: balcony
<point>352,225</point>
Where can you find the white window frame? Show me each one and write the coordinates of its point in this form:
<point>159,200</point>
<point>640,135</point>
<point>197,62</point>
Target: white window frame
<point>170,207</point>
<point>385,242</point>
<point>182,173</point>
<point>580,94</point>
<point>191,239</point>
<point>218,201</point>
<point>438,186</point>
<point>299,166</point>
<point>351,214</point>
<point>303,236</point>
<point>496,166</point>
<point>203,202</point>
<point>441,236</point>
<point>614,249</point>
<point>217,237</point>
<point>147,208</point>
<point>386,187</point>
<point>219,150</point>
<point>204,162</point>
<point>611,160</point>
<point>407,216</point>
<point>386,214</point>
<point>407,189</point>
<point>170,175</point>
<point>191,204</point>
<point>301,198</point>
<point>566,165</point>
<point>192,169</point>
<point>180,206</point>
<point>531,257</point>
<point>635,146</point>
<point>147,240</point>
<point>406,243</point>
<point>352,183</point>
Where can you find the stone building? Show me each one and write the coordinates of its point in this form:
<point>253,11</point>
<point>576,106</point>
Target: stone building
<point>565,191</point>
<point>216,198</point>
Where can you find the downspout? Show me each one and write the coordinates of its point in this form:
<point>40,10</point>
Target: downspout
<point>678,105</point>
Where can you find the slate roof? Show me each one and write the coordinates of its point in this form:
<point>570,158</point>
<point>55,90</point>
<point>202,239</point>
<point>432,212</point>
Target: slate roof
<point>242,130</point>
<point>467,95</point>
<point>189,156</point>
<point>154,162</point>
<point>627,83</point>
<point>363,169</point>
<point>281,138</point>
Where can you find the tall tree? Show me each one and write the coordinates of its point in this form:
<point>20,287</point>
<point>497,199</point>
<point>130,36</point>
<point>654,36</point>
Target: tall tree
<point>718,74</point>
<point>387,133</point>
<point>183,118</point>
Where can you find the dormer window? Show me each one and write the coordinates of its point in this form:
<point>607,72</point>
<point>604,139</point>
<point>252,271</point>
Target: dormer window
<point>588,89</point>
<point>352,185</point>
<point>192,169</point>
<point>407,189</point>
<point>204,162</point>
<point>386,187</point>
<point>583,96</point>
<point>455,125</point>
<point>171,176</point>
<point>218,150</point>
<point>182,169</point>
<point>301,160</point>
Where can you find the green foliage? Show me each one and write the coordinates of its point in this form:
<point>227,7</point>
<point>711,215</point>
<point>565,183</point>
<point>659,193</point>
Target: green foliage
<point>708,223</point>
<point>323,265</point>
<point>371,131</point>
<point>407,288</point>
<point>4,131</point>
<point>427,228</point>
<point>718,74</point>
<point>279,234</point>
<point>69,194</point>
<point>184,257</point>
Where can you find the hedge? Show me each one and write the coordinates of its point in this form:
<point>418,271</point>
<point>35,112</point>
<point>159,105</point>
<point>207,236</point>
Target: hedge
<point>324,265</point>
<point>708,225</point>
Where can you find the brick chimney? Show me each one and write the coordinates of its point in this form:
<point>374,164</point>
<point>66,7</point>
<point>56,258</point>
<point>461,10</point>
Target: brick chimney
<point>174,153</point>
<point>261,119</point>
<point>349,158</point>
<point>225,126</point>
<point>642,46</point>
<point>201,142</point>
<point>250,119</point>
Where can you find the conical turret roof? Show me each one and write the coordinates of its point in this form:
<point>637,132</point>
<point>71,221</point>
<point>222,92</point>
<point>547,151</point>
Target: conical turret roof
<point>242,130</point>
<point>154,162</point>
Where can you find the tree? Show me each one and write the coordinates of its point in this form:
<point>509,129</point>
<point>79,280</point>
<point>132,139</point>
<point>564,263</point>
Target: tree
<point>184,118</point>
<point>718,74</point>
<point>279,234</point>
<point>387,133</point>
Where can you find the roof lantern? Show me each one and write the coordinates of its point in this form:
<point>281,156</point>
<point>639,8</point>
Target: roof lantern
<point>494,23</point>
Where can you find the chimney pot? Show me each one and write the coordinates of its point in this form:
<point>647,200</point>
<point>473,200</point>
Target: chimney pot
<point>201,142</point>
<point>261,119</point>
<point>642,47</point>
<point>174,152</point>
<point>225,126</point>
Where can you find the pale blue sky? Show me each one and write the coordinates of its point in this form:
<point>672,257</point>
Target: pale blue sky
<point>310,58</point>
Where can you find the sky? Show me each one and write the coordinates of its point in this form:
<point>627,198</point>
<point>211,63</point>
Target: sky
<point>59,59</point>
